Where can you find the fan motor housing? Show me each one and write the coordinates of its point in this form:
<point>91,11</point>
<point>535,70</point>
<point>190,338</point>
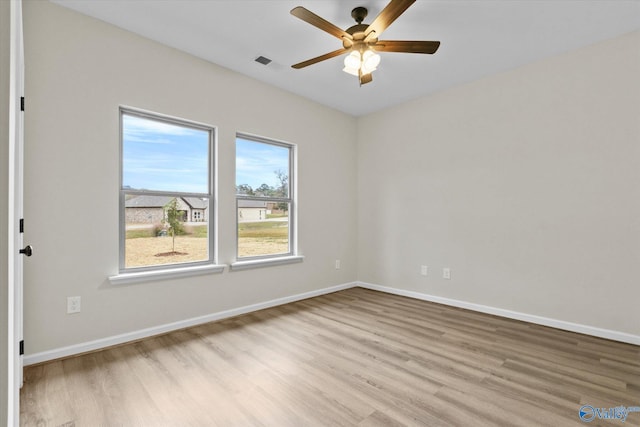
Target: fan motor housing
<point>357,31</point>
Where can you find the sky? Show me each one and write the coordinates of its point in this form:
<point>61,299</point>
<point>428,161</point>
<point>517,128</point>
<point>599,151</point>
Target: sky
<point>256,163</point>
<point>163,156</point>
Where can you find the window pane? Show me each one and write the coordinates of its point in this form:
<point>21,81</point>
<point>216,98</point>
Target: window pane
<point>262,169</point>
<point>263,228</point>
<point>164,230</point>
<point>162,156</point>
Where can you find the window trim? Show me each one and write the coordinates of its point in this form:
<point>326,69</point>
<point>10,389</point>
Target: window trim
<point>265,262</point>
<point>165,274</point>
<point>292,255</point>
<point>170,270</point>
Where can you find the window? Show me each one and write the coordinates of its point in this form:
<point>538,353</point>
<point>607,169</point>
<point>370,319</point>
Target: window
<point>166,192</point>
<point>264,198</point>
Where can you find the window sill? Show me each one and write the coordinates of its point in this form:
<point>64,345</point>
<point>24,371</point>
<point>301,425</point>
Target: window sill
<point>146,276</point>
<point>258,263</point>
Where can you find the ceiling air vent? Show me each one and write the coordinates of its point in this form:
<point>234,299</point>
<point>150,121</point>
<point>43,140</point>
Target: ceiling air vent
<point>262,60</point>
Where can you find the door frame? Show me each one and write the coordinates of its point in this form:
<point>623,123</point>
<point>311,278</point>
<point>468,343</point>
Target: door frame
<point>15,205</point>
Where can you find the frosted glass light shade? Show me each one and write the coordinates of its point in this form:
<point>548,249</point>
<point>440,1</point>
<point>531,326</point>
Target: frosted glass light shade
<point>359,64</point>
<point>352,63</point>
<point>370,61</point>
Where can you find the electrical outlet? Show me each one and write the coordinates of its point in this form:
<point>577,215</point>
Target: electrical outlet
<point>337,264</point>
<point>446,273</point>
<point>424,270</point>
<point>73,305</point>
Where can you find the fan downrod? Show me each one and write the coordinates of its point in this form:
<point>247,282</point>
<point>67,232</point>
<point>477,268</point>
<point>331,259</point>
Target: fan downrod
<point>359,13</point>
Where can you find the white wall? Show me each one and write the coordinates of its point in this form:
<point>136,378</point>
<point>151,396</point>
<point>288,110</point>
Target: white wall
<point>525,184</point>
<point>4,208</point>
<point>78,71</point>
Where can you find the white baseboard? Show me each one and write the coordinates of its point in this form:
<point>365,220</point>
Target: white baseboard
<point>539,320</point>
<point>98,344</point>
<point>157,330</point>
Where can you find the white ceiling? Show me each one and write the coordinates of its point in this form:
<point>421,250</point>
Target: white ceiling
<point>479,37</point>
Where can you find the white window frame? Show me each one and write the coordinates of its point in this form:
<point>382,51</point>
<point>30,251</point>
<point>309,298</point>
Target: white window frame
<point>134,274</point>
<point>292,255</point>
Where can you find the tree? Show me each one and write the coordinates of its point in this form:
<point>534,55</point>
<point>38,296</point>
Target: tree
<point>173,219</point>
<point>283,179</point>
<point>283,189</point>
<point>244,189</point>
<point>264,190</point>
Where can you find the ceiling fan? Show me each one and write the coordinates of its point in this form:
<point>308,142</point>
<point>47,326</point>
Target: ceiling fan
<point>361,40</point>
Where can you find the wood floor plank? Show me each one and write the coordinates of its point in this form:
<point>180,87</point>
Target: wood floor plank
<point>48,401</point>
<point>352,358</point>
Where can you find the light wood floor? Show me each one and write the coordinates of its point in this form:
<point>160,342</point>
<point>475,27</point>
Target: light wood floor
<point>355,357</point>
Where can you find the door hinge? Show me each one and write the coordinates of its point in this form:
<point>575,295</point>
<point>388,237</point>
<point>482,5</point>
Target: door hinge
<point>21,347</point>
<point>22,225</point>
<point>22,103</point>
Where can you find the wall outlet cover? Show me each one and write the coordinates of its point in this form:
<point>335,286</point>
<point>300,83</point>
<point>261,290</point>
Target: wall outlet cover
<point>73,305</point>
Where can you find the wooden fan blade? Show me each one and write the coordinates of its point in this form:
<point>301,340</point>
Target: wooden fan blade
<point>390,13</point>
<point>366,78</point>
<point>406,46</point>
<point>319,58</point>
<point>318,22</point>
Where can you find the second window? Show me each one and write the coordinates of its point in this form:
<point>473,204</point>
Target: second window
<point>264,197</point>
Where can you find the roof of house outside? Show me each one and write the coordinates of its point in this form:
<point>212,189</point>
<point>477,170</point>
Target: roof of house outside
<point>196,202</point>
<point>161,202</point>
<point>242,203</point>
<point>147,201</point>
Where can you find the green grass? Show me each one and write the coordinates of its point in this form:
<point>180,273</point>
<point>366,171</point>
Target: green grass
<point>197,230</point>
<point>191,231</point>
<point>264,229</point>
<point>278,215</point>
<point>135,234</point>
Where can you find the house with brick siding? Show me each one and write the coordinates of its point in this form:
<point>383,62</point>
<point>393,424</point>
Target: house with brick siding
<point>151,209</point>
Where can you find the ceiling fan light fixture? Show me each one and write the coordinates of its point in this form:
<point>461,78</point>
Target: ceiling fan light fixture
<point>358,64</point>
<point>361,41</point>
<point>352,63</point>
<point>352,71</point>
<point>370,62</point>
